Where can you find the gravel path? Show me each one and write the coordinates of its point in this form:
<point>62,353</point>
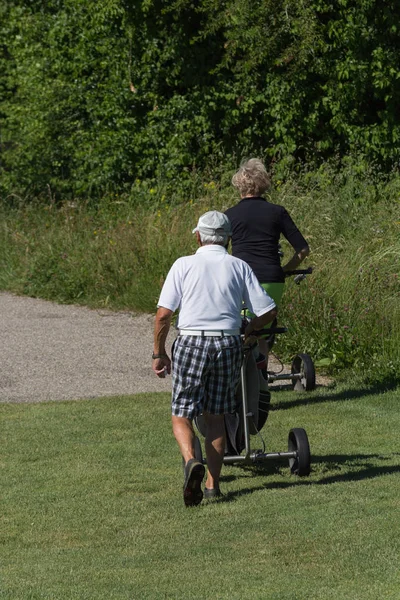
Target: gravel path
<point>54,351</point>
<point>58,352</point>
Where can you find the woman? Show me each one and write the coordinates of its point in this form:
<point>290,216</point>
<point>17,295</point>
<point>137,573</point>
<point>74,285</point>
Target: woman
<point>256,229</point>
<point>257,226</point>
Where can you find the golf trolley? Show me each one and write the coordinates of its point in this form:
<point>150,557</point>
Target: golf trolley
<point>253,404</point>
<point>302,373</point>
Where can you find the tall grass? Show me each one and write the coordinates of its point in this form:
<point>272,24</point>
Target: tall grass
<point>348,314</point>
<point>117,253</point>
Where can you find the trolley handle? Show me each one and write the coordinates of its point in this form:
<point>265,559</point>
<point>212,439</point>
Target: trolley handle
<point>299,272</point>
<point>270,331</point>
<point>263,332</point>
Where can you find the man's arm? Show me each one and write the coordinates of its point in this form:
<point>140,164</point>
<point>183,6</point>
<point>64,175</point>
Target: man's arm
<point>162,362</point>
<point>258,323</point>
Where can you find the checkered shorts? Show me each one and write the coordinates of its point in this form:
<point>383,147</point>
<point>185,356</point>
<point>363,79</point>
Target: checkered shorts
<point>205,372</point>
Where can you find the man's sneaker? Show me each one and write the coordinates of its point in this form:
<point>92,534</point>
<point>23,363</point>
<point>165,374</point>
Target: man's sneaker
<point>212,493</point>
<point>194,473</point>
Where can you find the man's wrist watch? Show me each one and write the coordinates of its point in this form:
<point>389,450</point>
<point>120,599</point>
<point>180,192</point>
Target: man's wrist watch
<point>153,356</point>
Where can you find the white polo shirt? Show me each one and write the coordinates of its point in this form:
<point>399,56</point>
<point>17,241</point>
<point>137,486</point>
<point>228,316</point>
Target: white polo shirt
<point>209,287</point>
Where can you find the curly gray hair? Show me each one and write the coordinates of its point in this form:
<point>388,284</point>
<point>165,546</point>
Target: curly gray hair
<point>214,239</point>
<point>252,178</point>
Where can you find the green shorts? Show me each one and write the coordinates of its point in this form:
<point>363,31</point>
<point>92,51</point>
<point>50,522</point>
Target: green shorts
<point>275,291</point>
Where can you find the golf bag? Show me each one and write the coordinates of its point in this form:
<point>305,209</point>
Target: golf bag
<point>258,404</point>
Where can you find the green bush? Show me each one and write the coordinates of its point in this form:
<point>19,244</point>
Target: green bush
<point>97,94</point>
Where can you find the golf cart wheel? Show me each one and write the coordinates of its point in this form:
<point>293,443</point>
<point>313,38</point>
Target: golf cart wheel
<point>298,442</point>
<point>303,365</point>
<point>198,452</point>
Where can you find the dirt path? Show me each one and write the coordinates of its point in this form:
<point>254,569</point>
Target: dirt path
<point>52,351</point>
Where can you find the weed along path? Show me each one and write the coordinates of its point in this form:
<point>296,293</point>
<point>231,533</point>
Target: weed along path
<point>50,351</point>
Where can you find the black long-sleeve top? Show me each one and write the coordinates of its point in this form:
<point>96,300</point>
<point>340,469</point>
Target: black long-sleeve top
<point>256,228</point>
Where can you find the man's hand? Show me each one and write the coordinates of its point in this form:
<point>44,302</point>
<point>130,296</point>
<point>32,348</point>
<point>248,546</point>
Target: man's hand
<point>249,339</point>
<point>162,366</point>
<point>256,324</point>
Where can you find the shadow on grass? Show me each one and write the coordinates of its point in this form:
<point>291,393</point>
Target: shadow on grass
<point>358,463</point>
<point>339,396</point>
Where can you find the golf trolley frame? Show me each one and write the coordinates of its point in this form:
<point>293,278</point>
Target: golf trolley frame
<point>302,373</point>
<point>251,422</point>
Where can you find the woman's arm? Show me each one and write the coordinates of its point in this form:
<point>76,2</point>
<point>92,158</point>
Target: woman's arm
<point>296,259</point>
<point>296,239</point>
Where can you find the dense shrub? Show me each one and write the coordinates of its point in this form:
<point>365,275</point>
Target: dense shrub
<point>97,94</point>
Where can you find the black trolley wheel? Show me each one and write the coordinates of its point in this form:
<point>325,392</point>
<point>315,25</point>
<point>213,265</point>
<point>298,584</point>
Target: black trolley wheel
<point>298,442</point>
<point>303,365</point>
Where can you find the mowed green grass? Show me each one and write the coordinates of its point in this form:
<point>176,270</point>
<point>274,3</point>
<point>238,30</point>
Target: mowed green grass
<point>92,504</point>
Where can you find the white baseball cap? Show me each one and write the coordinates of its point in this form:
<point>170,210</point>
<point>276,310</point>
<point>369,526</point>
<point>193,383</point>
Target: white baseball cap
<point>214,222</point>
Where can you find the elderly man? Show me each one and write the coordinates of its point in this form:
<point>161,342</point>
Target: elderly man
<point>208,288</point>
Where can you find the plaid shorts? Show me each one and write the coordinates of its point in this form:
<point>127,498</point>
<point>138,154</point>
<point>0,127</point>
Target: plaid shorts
<point>205,372</point>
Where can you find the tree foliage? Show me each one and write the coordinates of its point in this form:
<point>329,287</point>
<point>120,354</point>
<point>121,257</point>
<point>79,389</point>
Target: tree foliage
<point>97,93</point>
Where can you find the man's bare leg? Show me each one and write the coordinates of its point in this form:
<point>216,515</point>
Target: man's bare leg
<point>184,435</point>
<point>194,470</point>
<point>215,448</point>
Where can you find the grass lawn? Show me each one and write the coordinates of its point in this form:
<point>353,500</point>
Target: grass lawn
<point>91,505</point>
